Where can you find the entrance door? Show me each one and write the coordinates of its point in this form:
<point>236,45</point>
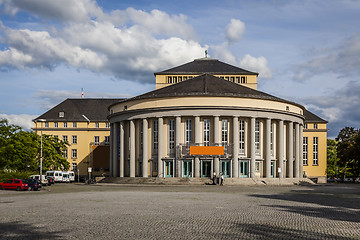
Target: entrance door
<point>140,169</point>
<point>187,168</point>
<point>244,169</point>
<point>272,169</point>
<point>206,168</point>
<point>169,168</point>
<point>226,168</point>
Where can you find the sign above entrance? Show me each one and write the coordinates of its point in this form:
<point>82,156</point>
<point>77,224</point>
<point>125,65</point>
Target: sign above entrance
<point>206,150</point>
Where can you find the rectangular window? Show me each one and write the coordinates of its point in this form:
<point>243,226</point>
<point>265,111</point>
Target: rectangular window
<point>61,114</point>
<point>257,166</point>
<point>56,124</point>
<point>65,153</point>
<point>242,136</point>
<point>141,135</point>
<point>315,126</point>
<point>315,150</point>
<point>174,79</point>
<point>305,126</point>
<point>232,79</point>
<point>107,140</point>
<point>74,139</point>
<point>155,135</point>
<point>46,124</point>
<point>185,78</point>
<point>96,140</point>
<point>237,79</point>
<point>96,125</point>
<point>188,128</point>
<point>171,134</point>
<point>243,79</point>
<point>305,151</point>
<point>74,124</point>
<point>227,78</point>
<point>65,138</point>
<point>180,79</point>
<point>224,133</point>
<point>73,153</point>
<point>74,166</point>
<point>107,125</point>
<point>257,137</point>
<point>169,80</point>
<point>206,132</point>
<point>272,138</point>
<point>65,124</point>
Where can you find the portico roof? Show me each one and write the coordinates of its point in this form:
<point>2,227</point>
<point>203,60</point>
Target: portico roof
<point>208,85</point>
<point>206,65</point>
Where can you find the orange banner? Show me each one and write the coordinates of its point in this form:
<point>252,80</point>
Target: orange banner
<point>206,150</point>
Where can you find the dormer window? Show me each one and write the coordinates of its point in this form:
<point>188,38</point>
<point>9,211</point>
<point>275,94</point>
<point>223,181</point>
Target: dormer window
<point>61,114</point>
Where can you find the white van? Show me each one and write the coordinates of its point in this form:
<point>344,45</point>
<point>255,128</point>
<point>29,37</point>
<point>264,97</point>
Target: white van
<point>66,176</point>
<point>37,177</point>
<point>56,175</point>
<point>72,176</point>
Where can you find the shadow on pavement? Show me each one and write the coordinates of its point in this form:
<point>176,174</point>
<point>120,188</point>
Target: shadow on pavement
<point>262,231</point>
<point>18,230</point>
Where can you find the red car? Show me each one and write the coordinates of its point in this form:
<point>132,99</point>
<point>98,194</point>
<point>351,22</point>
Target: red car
<point>16,184</point>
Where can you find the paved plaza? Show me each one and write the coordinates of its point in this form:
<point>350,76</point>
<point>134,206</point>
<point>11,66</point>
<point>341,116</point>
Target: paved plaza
<point>109,211</point>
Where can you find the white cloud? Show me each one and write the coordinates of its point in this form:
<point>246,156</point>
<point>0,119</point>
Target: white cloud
<point>130,52</point>
<point>256,64</point>
<point>64,10</point>
<point>342,59</point>
<point>235,30</point>
<point>22,120</point>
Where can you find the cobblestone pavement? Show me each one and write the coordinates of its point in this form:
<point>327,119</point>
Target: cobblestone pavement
<point>77,211</point>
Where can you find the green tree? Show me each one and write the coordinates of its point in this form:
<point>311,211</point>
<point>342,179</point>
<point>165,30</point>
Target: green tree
<point>348,149</point>
<point>20,150</point>
<point>332,158</point>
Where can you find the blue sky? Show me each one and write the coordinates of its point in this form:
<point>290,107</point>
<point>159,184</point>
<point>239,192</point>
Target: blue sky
<point>305,51</point>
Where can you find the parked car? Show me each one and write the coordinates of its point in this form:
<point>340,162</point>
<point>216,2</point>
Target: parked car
<point>32,183</point>
<point>16,184</point>
<point>51,180</point>
<point>44,180</point>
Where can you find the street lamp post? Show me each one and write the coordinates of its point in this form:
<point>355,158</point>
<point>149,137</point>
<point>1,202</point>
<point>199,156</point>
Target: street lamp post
<point>41,148</point>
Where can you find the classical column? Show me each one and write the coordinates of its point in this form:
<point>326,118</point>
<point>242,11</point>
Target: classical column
<point>297,150</point>
<point>115,150</point>
<point>145,153</point>
<point>111,160</point>
<point>197,142</point>
<point>281,148</point>
<point>160,147</point>
<point>252,147</point>
<point>217,143</point>
<point>290,157</point>
<point>132,148</point>
<point>268,148</point>
<point>122,150</point>
<point>235,172</point>
<point>177,143</point>
<point>301,152</point>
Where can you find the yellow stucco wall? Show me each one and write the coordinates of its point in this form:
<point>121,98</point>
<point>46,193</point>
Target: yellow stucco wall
<point>162,80</point>
<point>85,133</point>
<point>318,170</point>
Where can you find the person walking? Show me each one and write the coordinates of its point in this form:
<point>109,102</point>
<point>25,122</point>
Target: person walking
<point>221,179</point>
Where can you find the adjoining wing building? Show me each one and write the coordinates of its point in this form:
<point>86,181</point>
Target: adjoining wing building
<point>205,116</point>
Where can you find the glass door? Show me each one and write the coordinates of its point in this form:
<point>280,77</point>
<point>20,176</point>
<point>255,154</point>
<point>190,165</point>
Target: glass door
<point>187,168</point>
<point>169,168</point>
<point>206,168</point>
<point>244,169</point>
<point>226,168</point>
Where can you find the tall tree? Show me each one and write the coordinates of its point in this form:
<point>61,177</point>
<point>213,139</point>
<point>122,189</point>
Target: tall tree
<point>348,149</point>
<point>332,158</point>
<point>20,150</point>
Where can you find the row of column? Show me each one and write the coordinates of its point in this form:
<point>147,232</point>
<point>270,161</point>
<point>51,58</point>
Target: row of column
<point>294,165</point>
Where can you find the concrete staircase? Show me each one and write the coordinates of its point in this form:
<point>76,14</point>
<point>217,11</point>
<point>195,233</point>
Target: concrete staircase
<point>203,181</point>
